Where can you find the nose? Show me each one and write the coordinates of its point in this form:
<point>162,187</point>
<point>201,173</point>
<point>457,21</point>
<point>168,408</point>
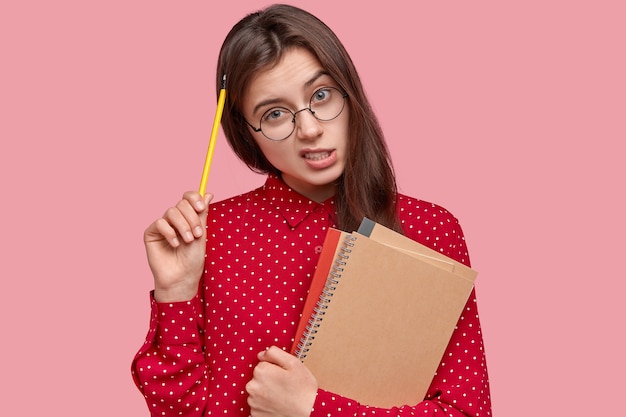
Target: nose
<point>307,126</point>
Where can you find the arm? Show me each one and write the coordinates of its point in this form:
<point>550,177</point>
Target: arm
<point>170,369</point>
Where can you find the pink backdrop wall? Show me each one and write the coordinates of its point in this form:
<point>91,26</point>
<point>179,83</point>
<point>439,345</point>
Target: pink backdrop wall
<point>510,114</point>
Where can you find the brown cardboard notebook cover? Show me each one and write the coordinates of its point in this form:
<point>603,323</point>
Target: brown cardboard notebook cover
<point>387,236</point>
<point>386,319</point>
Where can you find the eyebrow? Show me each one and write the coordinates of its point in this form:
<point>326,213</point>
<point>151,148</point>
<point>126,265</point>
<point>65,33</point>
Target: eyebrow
<point>307,84</point>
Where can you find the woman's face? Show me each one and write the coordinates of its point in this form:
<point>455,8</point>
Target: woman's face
<point>313,157</point>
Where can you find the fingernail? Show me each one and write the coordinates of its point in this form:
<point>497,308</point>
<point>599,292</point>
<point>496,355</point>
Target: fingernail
<point>175,242</point>
<point>197,231</point>
<point>188,236</point>
<point>200,205</point>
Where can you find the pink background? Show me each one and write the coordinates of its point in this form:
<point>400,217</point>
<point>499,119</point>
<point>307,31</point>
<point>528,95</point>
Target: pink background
<point>510,114</point>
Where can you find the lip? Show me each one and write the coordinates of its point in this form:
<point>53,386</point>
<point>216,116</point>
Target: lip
<point>319,158</point>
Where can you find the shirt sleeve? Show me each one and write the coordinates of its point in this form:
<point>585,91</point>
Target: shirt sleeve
<point>170,369</point>
<point>460,386</point>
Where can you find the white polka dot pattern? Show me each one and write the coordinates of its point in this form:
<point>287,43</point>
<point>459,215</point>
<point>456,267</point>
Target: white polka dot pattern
<point>262,248</point>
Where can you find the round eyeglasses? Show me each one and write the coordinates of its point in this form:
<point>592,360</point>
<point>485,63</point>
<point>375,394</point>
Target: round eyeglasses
<point>278,123</point>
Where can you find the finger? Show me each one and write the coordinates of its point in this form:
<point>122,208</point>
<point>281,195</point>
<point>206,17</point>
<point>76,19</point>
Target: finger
<point>200,205</point>
<point>203,216</point>
<point>193,220</point>
<point>180,222</point>
<point>196,200</point>
<point>160,229</point>
<point>277,356</point>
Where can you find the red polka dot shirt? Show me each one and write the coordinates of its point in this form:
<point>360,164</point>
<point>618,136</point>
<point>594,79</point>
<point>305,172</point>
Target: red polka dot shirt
<point>262,249</point>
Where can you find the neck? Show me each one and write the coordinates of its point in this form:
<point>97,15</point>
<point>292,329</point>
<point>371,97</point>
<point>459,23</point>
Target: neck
<point>317,193</point>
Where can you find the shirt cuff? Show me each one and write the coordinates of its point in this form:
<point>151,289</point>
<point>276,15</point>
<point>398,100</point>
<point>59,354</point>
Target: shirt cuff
<point>177,323</point>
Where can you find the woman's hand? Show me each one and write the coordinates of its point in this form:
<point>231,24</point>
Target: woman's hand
<point>176,247</point>
<point>281,386</point>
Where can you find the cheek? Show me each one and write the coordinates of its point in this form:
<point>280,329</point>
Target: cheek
<point>345,128</point>
<point>345,135</point>
<point>274,152</point>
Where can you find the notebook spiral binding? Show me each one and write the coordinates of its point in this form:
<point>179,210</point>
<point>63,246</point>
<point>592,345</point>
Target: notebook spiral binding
<point>325,298</point>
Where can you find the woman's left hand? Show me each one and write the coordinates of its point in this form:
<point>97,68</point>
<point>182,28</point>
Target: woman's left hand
<point>281,386</point>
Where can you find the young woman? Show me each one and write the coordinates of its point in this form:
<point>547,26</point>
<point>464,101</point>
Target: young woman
<point>231,277</point>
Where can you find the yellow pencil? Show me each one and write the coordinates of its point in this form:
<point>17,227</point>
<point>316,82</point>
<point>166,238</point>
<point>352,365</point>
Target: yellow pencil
<point>214,131</point>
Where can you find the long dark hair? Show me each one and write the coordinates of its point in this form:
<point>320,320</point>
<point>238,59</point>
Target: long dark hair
<point>367,187</point>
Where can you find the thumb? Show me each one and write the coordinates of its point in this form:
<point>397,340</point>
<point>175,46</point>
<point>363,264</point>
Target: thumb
<point>203,214</point>
<point>277,356</point>
<point>207,199</point>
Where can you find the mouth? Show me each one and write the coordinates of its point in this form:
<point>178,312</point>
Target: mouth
<point>316,156</point>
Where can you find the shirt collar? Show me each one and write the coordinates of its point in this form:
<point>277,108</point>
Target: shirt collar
<point>294,206</point>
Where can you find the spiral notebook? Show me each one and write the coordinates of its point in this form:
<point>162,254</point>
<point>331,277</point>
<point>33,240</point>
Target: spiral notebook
<point>379,315</point>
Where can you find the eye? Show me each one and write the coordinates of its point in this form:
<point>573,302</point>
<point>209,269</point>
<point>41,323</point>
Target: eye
<point>276,115</point>
<point>322,95</point>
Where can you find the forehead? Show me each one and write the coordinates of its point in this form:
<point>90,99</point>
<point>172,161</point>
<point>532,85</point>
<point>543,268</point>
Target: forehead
<point>294,73</point>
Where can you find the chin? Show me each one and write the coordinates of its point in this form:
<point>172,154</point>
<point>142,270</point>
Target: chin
<point>327,179</point>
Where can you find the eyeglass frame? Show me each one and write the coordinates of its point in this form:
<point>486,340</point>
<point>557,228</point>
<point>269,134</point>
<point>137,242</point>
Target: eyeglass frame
<point>344,95</point>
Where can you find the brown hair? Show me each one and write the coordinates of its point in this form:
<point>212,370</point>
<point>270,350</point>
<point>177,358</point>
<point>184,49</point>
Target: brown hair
<point>367,187</point>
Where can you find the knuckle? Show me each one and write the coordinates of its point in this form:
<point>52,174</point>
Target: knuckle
<point>162,225</point>
<point>182,204</point>
<point>250,387</point>
<point>171,212</point>
<point>293,361</point>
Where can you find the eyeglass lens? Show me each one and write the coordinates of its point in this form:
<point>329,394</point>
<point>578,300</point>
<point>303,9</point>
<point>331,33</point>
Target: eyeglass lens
<point>278,123</point>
